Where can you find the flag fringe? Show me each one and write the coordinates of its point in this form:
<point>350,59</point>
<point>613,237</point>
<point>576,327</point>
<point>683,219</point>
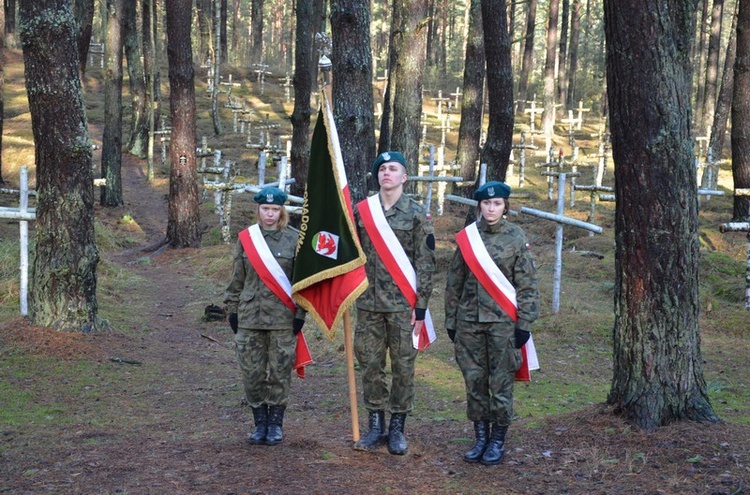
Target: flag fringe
<point>348,301</point>
<point>328,274</point>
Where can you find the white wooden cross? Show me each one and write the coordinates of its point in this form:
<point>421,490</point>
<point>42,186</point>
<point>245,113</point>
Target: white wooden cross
<point>24,215</point>
<point>440,99</point>
<point>561,220</point>
<point>580,113</point>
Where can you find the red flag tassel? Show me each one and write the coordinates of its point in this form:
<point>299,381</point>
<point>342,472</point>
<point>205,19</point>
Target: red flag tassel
<point>303,357</point>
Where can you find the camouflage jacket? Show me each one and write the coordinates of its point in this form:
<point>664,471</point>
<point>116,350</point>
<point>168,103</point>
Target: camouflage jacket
<point>414,231</point>
<point>466,299</point>
<point>256,306</point>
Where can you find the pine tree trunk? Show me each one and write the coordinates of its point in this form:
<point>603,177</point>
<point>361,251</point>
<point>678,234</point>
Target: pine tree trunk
<point>575,35</point>
<point>63,291</point>
<point>562,58</point>
<point>256,22</point>
<point>303,87</point>
<point>183,224</point>
<point>472,101</point>
<point>496,152</point>
<point>2,86</point>
<point>712,69</point>
<point>409,43</point>
<point>83,12</point>
<point>528,56</point>
<point>204,12</point>
<point>352,89</point>
<point>150,71</point>
<point>723,101</point>
<point>111,192</point>
<point>658,376</point>
<point>138,142</point>
<point>741,116</point>
<point>548,117</point>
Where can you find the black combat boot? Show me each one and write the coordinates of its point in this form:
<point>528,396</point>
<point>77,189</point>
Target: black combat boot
<point>496,447</point>
<point>275,422</point>
<point>482,433</point>
<point>376,436</point>
<point>397,444</point>
<point>260,416</point>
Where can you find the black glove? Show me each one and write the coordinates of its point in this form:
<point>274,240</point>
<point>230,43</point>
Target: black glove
<point>419,314</point>
<point>452,335</point>
<point>233,322</point>
<point>521,336</point>
<point>297,325</point>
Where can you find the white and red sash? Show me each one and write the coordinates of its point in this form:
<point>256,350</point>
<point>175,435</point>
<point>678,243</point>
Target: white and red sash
<point>265,265</point>
<point>498,286</point>
<point>395,260</point>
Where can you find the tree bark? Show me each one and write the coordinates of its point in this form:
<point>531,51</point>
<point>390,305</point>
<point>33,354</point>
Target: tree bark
<point>216,62</point>
<point>83,12</point>
<point>409,45</point>
<point>303,87</point>
<point>352,90</point>
<point>472,101</point>
<point>256,21</point>
<point>741,115</point>
<point>657,376</point>
<point>63,291</point>
<point>2,86</point>
<point>575,35</point>
<point>204,29</point>
<point>700,55</point>
<point>183,225</point>
<point>111,192</point>
<point>528,56</point>
<point>223,41</point>
<point>150,70</point>
<point>138,142</point>
<point>724,99</point>
<point>548,117</point>
<point>712,68</point>
<point>562,57</point>
<point>496,152</point>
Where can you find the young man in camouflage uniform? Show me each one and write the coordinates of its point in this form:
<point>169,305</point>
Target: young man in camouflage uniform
<point>385,318</point>
<point>487,330</point>
<point>265,326</point>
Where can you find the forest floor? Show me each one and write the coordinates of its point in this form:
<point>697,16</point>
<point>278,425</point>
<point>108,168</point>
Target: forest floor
<point>154,404</point>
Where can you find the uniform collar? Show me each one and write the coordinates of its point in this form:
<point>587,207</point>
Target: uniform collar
<point>485,227</point>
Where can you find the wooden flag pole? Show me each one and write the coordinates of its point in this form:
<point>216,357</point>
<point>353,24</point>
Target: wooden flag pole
<point>349,346</point>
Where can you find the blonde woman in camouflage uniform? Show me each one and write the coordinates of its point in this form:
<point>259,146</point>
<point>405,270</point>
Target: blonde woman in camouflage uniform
<point>487,338</point>
<point>264,325</point>
<point>385,318</point>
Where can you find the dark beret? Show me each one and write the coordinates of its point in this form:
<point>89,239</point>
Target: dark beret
<point>387,156</point>
<point>492,189</point>
<point>270,196</point>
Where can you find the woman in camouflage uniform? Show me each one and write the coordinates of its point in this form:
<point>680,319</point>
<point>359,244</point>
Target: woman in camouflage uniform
<point>488,334</point>
<point>264,325</point>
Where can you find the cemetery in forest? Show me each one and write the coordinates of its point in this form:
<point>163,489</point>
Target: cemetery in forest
<point>644,282</point>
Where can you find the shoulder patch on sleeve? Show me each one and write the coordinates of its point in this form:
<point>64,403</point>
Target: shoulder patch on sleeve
<point>430,241</point>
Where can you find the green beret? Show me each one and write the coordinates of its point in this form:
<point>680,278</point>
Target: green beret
<point>388,156</point>
<point>493,189</point>
<point>270,196</point>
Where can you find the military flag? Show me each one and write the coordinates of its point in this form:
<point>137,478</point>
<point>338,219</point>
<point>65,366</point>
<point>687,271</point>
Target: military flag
<point>329,271</point>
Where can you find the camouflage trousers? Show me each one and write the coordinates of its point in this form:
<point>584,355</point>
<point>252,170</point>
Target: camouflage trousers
<point>488,359</point>
<point>266,358</point>
<point>378,335</point>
